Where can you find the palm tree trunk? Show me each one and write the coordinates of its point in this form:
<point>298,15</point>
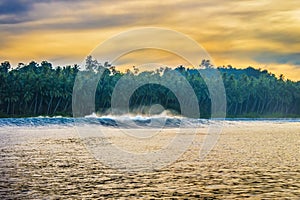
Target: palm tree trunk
<point>254,105</point>
<point>57,105</point>
<point>241,108</point>
<point>7,109</point>
<point>247,103</point>
<point>40,106</point>
<point>30,108</point>
<point>235,110</point>
<point>49,105</point>
<point>66,106</point>
<point>276,106</point>
<point>13,109</point>
<point>35,104</point>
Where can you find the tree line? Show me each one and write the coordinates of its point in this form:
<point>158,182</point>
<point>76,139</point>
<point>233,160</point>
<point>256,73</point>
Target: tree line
<point>36,89</point>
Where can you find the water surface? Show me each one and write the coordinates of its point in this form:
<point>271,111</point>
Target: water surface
<point>46,158</point>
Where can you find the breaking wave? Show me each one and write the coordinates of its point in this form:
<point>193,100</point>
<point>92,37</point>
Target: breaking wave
<point>127,121</point>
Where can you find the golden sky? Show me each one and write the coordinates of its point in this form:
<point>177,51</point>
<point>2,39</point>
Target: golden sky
<point>263,33</point>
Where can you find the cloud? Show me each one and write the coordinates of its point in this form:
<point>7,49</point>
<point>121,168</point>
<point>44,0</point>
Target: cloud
<point>13,12</point>
<point>265,31</point>
<point>289,71</point>
<point>8,7</point>
<point>272,57</point>
<point>20,11</point>
<point>12,19</point>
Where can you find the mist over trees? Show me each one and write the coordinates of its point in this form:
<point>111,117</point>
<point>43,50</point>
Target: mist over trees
<point>36,89</point>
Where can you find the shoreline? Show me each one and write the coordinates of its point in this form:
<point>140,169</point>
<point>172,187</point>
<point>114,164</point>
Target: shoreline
<point>267,117</point>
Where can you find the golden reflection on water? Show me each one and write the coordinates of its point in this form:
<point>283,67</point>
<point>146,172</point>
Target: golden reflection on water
<point>251,160</point>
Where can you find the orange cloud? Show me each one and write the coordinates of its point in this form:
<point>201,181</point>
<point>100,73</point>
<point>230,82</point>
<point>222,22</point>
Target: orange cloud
<point>236,32</point>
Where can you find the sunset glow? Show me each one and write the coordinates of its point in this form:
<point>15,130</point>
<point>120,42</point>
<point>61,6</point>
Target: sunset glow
<point>263,34</point>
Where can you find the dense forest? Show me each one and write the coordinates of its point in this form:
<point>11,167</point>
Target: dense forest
<point>40,89</point>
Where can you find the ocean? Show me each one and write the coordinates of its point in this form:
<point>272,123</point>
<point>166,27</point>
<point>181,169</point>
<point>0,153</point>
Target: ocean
<point>143,157</point>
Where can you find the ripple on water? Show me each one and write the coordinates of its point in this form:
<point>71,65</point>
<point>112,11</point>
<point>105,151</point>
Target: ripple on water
<point>248,162</point>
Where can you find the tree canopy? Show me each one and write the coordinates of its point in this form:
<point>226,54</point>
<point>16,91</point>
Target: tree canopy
<point>36,89</point>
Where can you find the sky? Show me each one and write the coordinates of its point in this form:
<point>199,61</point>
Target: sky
<point>263,34</point>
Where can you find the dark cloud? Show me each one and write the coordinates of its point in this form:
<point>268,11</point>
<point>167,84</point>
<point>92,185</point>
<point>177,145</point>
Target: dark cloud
<point>14,7</point>
<point>280,58</point>
<point>131,17</point>
<point>17,11</point>
<point>14,11</point>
